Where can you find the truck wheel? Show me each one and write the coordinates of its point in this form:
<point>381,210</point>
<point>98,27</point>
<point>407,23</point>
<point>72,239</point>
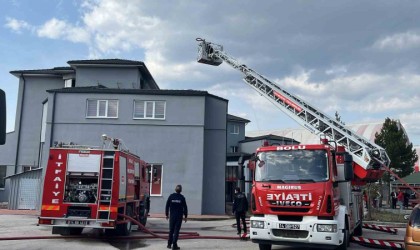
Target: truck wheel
<point>143,215</point>
<point>264,246</point>
<point>346,240</point>
<point>124,229</point>
<point>358,231</point>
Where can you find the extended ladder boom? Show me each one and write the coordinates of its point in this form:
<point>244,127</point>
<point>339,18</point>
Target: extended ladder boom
<point>367,155</point>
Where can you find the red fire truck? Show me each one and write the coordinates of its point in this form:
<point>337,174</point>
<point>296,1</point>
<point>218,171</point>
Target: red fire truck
<point>305,195</point>
<point>87,187</point>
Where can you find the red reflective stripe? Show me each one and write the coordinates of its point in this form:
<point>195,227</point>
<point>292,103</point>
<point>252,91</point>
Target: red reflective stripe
<point>106,208</point>
<point>50,207</point>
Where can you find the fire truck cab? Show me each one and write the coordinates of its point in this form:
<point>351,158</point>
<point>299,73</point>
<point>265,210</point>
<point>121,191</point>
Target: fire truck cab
<point>302,196</point>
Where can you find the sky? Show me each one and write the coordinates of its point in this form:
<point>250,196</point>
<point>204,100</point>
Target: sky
<point>357,58</point>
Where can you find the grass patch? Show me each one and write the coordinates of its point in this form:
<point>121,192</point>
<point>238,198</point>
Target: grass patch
<point>387,216</point>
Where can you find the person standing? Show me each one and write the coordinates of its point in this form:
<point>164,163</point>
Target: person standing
<point>400,199</point>
<point>240,207</point>
<point>176,207</point>
<point>393,200</point>
<point>406,199</point>
<point>365,199</point>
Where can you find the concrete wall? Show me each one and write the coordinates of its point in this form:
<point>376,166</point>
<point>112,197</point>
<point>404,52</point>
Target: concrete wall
<point>233,139</point>
<point>213,199</point>
<point>127,78</point>
<point>34,95</point>
<point>250,147</point>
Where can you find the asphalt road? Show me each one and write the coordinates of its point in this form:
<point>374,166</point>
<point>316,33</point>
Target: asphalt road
<point>25,225</point>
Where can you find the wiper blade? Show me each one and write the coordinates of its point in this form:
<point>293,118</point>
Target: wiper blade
<point>272,180</point>
<point>302,180</point>
<point>307,180</point>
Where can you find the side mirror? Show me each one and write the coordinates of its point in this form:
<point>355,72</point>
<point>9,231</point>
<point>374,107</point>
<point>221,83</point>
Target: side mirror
<point>348,167</point>
<point>2,117</point>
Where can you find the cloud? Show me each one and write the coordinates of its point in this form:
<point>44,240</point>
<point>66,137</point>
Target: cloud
<point>400,41</point>
<point>59,29</point>
<point>411,124</point>
<point>17,25</point>
<point>326,57</point>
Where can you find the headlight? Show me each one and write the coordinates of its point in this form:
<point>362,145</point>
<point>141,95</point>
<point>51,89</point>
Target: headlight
<point>331,228</point>
<point>257,224</point>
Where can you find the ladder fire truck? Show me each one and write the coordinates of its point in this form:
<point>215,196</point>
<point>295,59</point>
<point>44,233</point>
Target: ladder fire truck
<point>88,187</point>
<point>305,195</point>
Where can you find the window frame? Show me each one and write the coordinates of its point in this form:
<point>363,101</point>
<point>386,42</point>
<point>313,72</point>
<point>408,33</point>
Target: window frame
<point>235,129</point>
<point>152,181</point>
<point>146,104</point>
<point>107,107</point>
<point>69,83</point>
<point>26,168</point>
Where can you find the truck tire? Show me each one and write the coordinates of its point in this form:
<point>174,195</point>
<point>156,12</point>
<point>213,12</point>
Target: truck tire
<point>346,240</point>
<point>264,246</point>
<point>143,215</point>
<point>358,231</point>
<point>124,229</point>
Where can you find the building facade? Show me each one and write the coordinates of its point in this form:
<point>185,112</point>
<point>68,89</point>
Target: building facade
<point>180,133</point>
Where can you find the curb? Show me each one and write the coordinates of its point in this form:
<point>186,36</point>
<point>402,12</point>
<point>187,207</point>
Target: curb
<point>384,223</point>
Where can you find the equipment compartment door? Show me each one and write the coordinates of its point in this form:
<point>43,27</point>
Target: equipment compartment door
<point>123,178</point>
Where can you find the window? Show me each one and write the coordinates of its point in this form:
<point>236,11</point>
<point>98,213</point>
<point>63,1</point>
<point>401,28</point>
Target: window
<point>234,129</point>
<point>149,109</point>
<point>102,108</point>
<point>69,83</point>
<point>2,175</point>
<point>234,149</point>
<point>28,168</point>
<point>156,180</point>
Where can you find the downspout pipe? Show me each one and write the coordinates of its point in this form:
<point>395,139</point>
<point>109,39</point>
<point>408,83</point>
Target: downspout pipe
<point>20,122</point>
<point>52,120</point>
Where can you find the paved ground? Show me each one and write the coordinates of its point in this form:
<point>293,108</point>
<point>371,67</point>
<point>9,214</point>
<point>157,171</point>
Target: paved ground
<point>23,223</point>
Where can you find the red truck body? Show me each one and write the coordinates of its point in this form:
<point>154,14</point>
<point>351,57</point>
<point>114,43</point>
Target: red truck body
<point>88,188</point>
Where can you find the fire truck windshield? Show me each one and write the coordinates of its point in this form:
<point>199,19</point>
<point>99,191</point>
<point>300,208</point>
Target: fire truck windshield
<point>292,166</point>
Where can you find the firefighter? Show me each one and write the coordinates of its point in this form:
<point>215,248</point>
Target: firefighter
<point>176,206</point>
<point>240,207</point>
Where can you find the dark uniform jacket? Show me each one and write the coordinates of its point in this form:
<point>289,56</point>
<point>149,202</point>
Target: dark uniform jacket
<point>240,203</point>
<point>176,206</point>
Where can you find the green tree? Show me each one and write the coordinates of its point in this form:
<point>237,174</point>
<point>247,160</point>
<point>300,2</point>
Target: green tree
<point>400,151</point>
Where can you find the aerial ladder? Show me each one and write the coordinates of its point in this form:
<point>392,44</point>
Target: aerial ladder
<point>370,160</point>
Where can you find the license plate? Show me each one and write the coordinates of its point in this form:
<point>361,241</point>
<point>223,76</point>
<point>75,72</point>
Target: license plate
<point>289,226</point>
<point>77,222</point>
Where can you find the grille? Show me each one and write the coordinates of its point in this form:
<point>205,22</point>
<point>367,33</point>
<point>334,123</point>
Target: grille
<point>295,209</point>
<point>289,218</point>
<point>290,233</point>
